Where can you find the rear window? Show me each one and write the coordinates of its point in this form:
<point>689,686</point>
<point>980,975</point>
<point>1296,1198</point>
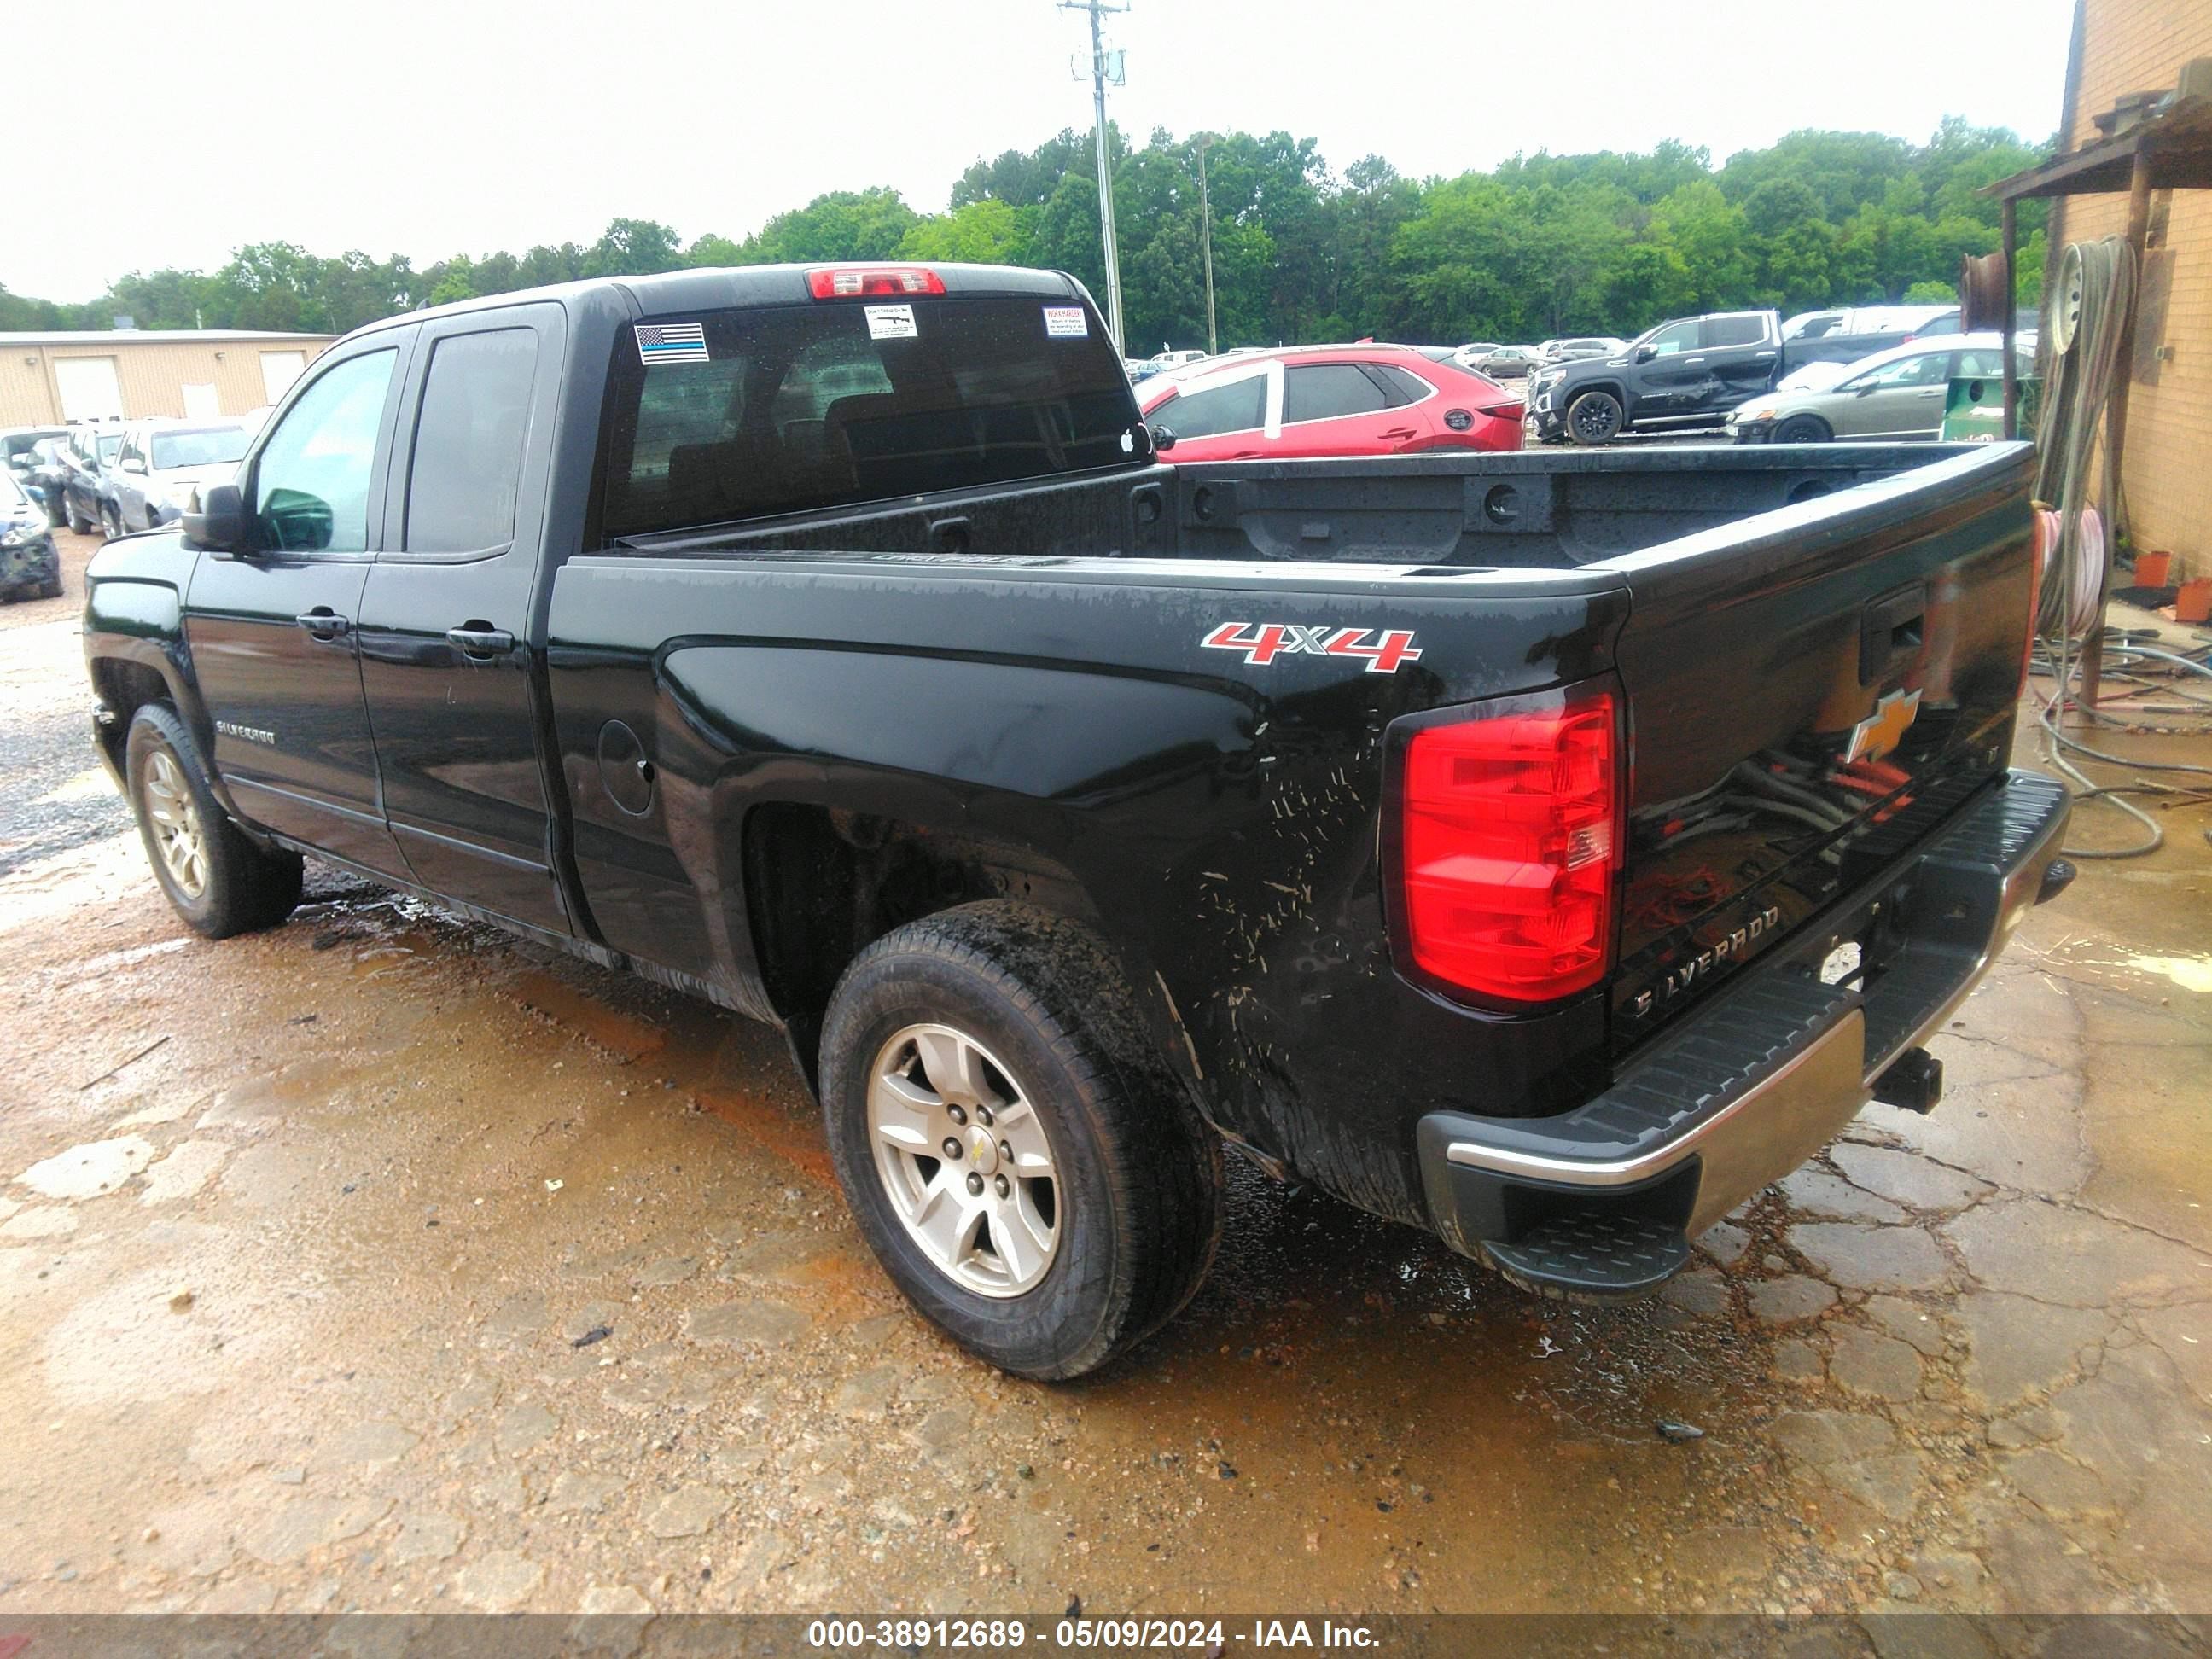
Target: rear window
<point>213,445</point>
<point>801,408</point>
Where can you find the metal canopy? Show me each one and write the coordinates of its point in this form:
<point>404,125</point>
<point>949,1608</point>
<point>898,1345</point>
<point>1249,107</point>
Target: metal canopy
<point>2176,147</point>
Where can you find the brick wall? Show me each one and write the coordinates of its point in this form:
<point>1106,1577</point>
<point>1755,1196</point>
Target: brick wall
<point>2139,45</point>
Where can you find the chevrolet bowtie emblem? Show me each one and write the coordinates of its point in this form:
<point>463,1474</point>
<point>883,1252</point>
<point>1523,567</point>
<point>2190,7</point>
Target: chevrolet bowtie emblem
<point>1882,730</point>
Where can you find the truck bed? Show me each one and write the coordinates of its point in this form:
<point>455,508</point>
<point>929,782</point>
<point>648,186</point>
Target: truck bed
<point>1538,509</point>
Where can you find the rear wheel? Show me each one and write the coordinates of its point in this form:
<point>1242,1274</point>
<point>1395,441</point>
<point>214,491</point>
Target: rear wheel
<point>111,519</point>
<point>213,877</point>
<point>1593,418</point>
<point>1024,1166</point>
<point>78,523</point>
<point>1802,429</point>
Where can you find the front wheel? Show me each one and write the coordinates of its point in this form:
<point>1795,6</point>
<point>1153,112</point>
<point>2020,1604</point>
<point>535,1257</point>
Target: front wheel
<point>1020,1161</point>
<point>111,519</point>
<point>1593,418</point>
<point>1802,429</point>
<point>213,877</point>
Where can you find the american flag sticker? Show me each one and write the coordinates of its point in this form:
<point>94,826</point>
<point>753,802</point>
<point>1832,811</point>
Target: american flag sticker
<point>671,343</point>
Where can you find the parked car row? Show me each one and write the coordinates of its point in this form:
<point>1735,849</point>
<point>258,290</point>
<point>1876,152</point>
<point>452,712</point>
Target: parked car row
<point>1897,395</point>
<point>1689,374</point>
<point>117,477</point>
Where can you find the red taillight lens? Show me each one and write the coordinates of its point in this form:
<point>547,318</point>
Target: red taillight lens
<point>1506,411</point>
<point>872,281</point>
<point>1511,836</point>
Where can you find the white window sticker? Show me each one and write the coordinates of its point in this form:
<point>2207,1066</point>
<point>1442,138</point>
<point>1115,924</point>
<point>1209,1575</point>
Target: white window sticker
<point>671,343</point>
<point>890,322</point>
<point>1066,322</point>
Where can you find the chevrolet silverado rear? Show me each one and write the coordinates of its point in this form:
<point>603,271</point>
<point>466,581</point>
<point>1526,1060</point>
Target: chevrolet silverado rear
<point>1548,850</point>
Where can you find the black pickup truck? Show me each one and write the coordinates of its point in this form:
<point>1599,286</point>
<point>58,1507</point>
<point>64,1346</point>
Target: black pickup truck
<point>1681,376</point>
<point>1547,850</point>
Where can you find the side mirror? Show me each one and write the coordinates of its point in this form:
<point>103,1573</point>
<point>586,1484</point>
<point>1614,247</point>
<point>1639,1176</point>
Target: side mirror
<point>1645,354</point>
<point>1163,440</point>
<point>216,520</point>
<point>134,464</point>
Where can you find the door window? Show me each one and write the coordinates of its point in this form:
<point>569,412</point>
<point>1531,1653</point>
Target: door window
<point>1327,392</point>
<point>1240,406</point>
<point>469,437</point>
<point>311,484</point>
<point>1676,336</point>
<point>1404,386</point>
<point>1929,368</point>
<point>1743,328</point>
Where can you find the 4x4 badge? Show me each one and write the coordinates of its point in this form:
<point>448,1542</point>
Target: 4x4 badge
<point>1263,643</point>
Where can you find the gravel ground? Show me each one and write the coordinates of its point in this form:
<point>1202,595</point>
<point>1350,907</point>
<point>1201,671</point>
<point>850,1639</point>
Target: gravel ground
<point>379,1262</point>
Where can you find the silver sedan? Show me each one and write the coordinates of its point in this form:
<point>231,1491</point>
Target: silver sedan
<point>1893,396</point>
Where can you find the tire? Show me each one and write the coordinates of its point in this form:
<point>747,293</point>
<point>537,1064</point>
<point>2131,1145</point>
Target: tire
<point>213,877</point>
<point>78,523</point>
<point>1129,1188</point>
<point>1593,418</point>
<point>1804,430</point>
<point>111,519</point>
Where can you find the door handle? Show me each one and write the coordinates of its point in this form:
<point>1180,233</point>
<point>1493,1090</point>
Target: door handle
<point>1693,363</point>
<point>481,641</point>
<point>324,622</point>
<point>1402,432</point>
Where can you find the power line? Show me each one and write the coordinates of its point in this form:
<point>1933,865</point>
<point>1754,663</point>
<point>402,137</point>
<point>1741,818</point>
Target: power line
<point>1101,71</point>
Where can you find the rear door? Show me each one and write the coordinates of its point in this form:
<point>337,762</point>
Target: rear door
<point>1807,697</point>
<point>1346,409</point>
<point>1902,398</point>
<point>1740,354</point>
<point>271,631</point>
<point>444,622</point>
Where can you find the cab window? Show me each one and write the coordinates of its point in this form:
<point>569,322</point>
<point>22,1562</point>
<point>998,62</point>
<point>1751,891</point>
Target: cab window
<point>311,483</point>
<point>1676,336</point>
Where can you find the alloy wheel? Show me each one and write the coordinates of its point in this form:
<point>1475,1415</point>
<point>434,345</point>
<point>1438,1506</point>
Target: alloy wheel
<point>175,819</point>
<point>964,1158</point>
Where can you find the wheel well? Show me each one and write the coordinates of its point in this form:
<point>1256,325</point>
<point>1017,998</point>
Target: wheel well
<point>826,882</point>
<point>124,687</point>
<point>1612,391</point>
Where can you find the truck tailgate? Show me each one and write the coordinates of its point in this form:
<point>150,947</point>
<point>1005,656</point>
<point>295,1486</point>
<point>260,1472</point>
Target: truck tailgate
<point>1810,692</point>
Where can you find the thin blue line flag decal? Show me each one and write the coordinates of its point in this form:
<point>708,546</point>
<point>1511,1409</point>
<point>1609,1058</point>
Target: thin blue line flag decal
<point>671,343</point>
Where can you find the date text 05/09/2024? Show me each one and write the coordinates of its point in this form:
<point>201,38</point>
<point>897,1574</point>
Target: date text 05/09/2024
<point>1210,1637</point>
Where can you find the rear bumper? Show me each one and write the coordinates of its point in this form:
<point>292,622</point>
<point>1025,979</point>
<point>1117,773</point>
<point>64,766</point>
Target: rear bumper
<point>1751,1086</point>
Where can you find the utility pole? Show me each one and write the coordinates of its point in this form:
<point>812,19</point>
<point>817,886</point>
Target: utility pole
<point>1205,234</point>
<point>1099,76</point>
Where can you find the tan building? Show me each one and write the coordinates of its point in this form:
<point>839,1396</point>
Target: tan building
<point>126,374</point>
<point>2121,48</point>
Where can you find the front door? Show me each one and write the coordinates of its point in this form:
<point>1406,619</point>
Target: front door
<point>1903,398</point>
<point>446,623</point>
<point>271,630</point>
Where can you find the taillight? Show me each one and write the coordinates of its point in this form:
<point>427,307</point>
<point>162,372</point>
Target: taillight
<point>1511,836</point>
<point>872,281</point>
<point>1504,411</point>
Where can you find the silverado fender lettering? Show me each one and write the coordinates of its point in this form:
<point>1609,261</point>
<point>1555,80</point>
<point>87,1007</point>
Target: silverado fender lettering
<point>901,746</point>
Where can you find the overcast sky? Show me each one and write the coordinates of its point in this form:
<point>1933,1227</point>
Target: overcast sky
<point>189,126</point>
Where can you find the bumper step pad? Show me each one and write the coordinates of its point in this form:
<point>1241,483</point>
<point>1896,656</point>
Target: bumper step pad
<point>1592,1255</point>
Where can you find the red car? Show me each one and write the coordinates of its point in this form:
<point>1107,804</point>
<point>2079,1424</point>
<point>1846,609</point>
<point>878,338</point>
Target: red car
<point>1329,400</point>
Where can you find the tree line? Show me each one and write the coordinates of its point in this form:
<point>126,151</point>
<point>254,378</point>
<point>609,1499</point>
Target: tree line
<point>1541,246</point>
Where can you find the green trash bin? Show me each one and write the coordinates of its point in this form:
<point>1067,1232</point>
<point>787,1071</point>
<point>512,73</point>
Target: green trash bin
<point>1973,413</point>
